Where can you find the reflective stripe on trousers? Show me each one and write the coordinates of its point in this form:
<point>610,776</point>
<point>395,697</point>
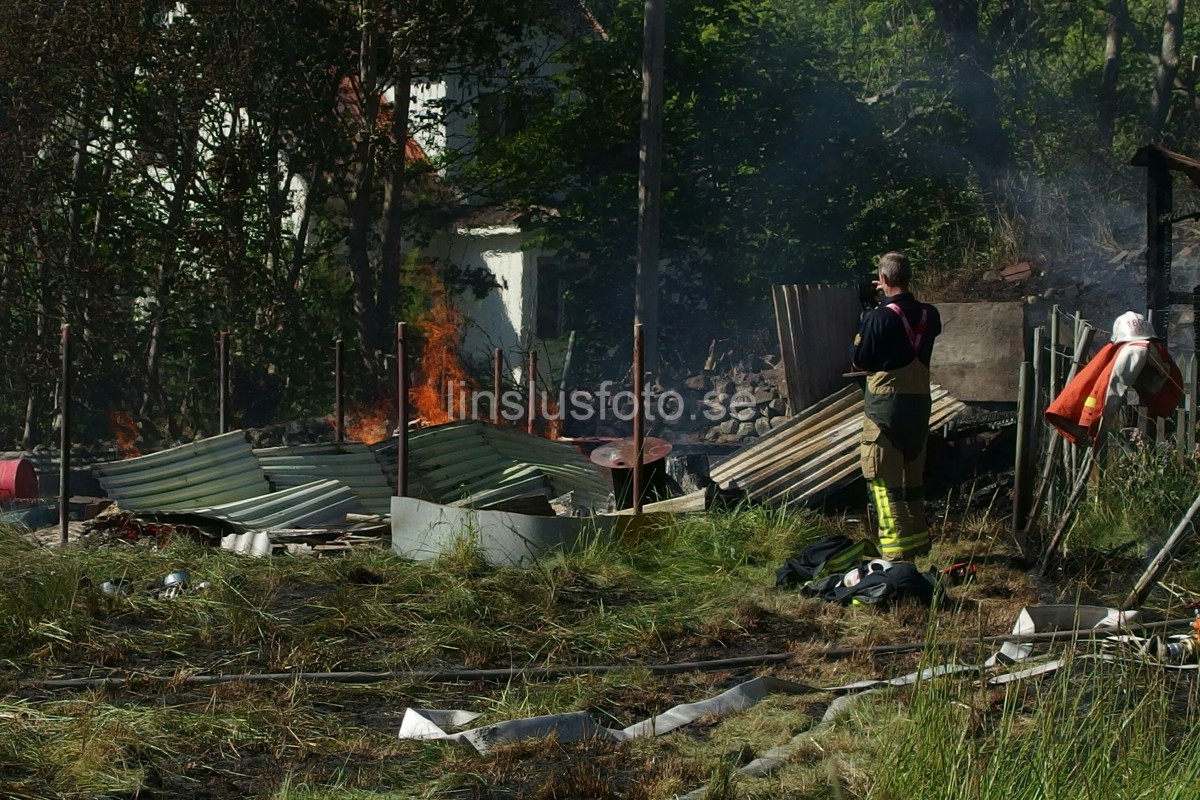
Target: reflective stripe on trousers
<point>897,492</point>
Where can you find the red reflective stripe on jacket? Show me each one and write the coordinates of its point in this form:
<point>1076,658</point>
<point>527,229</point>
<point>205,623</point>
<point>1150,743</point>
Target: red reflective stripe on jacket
<point>914,339</point>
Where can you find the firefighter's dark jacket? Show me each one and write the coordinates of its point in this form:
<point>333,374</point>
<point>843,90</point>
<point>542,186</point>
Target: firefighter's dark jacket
<point>897,396</point>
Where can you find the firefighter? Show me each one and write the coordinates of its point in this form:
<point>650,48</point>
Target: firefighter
<point>894,346</point>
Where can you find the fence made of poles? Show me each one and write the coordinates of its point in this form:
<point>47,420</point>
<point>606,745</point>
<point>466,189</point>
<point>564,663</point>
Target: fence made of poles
<point>1058,473</point>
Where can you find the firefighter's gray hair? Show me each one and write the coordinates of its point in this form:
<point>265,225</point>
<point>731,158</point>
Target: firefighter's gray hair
<point>895,267</point>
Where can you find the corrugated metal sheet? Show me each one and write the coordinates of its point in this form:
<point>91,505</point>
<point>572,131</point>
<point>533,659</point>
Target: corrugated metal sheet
<point>813,453</point>
<point>473,463</point>
<point>317,503</point>
<point>816,325</point>
<point>352,463</point>
<point>210,472</point>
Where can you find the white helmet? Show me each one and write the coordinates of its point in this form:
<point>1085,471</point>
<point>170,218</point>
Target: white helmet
<point>1131,327</point>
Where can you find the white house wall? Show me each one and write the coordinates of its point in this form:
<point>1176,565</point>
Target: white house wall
<point>505,317</point>
<point>425,114</point>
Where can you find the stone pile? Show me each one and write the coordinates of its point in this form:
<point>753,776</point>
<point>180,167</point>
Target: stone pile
<point>310,430</point>
<point>736,405</point>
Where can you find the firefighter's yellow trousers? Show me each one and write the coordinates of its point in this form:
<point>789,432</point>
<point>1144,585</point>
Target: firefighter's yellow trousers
<point>897,491</point>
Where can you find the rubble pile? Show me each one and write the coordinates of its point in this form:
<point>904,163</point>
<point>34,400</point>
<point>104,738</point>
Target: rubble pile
<point>740,404</point>
<point>123,528</point>
<point>309,430</point>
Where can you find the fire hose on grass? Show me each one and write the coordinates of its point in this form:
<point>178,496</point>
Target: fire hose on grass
<point>505,675</point>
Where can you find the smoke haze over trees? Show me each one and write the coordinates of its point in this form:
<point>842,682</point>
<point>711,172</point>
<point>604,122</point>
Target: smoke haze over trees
<point>168,172</point>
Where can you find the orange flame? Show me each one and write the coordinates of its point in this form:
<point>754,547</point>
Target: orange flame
<point>125,430</point>
<point>442,391</point>
<point>370,425</point>
<point>554,423</point>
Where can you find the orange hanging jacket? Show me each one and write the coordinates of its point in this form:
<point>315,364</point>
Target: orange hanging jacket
<point>1076,412</point>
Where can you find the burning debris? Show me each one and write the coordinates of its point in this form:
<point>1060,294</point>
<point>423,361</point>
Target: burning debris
<point>126,433</point>
<point>124,528</point>
<point>440,393</point>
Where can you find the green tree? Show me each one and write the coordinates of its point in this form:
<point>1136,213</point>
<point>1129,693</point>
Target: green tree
<point>773,171</point>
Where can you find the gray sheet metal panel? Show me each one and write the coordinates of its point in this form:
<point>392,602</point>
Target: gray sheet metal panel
<point>227,489</point>
<point>317,503</point>
<point>567,468</point>
<point>178,459</point>
<point>202,470</point>
<point>206,473</point>
<point>423,530</point>
<point>352,463</point>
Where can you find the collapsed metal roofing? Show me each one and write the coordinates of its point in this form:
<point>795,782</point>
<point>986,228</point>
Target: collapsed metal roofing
<point>220,478</point>
<point>316,503</point>
<point>352,463</point>
<point>813,453</point>
<point>462,463</point>
<point>474,463</point>
<point>203,474</point>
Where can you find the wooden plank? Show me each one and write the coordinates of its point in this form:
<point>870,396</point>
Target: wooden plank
<point>846,440</point>
<point>1188,406</point>
<point>815,326</point>
<point>832,475</point>
<point>1159,564</point>
<point>818,440</point>
<point>779,441</point>
<point>781,438</point>
<point>1181,413</point>
<point>800,332</point>
<point>787,347</point>
<point>792,476</point>
<point>805,440</point>
<point>808,331</point>
<point>795,331</point>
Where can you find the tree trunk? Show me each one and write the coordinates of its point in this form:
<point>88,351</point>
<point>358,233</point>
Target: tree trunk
<point>1108,77</point>
<point>169,266</point>
<point>1166,70</point>
<point>393,220</point>
<point>361,206</point>
<point>31,435</point>
<point>988,146</point>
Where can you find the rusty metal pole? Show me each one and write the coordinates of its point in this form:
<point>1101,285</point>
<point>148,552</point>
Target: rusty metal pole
<point>639,413</point>
<point>532,382</point>
<point>496,385</point>
<point>339,391</point>
<point>223,382</point>
<point>401,412</point>
<point>64,441</point>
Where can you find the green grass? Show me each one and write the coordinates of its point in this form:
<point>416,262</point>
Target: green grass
<point>1144,492</point>
<point>1097,730</point>
<point>610,600</point>
<point>697,587</point>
